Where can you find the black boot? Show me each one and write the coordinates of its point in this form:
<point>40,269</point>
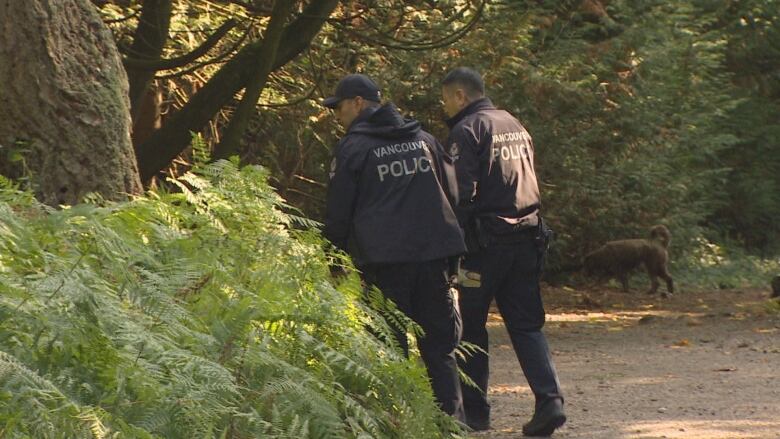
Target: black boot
<point>548,416</point>
<point>478,424</point>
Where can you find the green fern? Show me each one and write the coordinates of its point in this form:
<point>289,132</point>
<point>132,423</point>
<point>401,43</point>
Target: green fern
<point>206,312</point>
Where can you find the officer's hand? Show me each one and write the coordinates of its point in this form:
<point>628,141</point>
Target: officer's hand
<point>337,271</point>
<point>338,262</point>
<point>453,266</point>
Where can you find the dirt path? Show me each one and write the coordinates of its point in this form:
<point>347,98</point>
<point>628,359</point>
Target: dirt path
<point>697,365</point>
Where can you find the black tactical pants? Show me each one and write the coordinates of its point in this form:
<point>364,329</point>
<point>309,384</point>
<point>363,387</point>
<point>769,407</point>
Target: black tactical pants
<point>421,290</point>
<point>509,272</point>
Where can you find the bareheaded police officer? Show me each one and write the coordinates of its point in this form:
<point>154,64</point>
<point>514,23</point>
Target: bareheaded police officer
<point>388,207</point>
<point>498,205</point>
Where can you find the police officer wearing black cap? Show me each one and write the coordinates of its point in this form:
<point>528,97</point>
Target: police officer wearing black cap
<point>387,206</point>
<point>498,205</point>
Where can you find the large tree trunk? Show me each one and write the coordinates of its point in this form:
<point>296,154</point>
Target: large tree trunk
<point>64,101</point>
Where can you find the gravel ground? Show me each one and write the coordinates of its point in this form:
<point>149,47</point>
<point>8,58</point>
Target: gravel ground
<point>696,365</point>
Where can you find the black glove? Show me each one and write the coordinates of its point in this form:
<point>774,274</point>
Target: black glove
<point>453,267</point>
<point>337,271</point>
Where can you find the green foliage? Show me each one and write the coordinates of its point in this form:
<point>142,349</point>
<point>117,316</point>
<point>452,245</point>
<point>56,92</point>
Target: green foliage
<point>715,266</point>
<point>753,34</point>
<point>625,127</point>
<point>641,114</point>
<point>199,313</point>
<point>642,111</point>
<point>773,306</point>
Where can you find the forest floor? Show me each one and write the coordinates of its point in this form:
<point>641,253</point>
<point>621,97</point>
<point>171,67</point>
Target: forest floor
<point>695,365</point>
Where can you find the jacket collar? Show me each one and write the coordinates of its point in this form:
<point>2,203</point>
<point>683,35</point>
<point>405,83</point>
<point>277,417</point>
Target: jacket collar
<point>362,117</point>
<point>478,105</point>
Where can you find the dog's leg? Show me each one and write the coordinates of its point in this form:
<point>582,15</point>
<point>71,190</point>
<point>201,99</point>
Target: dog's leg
<point>623,277</point>
<point>653,284</point>
<point>598,282</point>
<point>669,282</point>
<point>652,274</point>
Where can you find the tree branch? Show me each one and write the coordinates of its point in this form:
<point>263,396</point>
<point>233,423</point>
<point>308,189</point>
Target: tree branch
<point>416,46</point>
<point>157,152</point>
<point>215,60</point>
<point>267,55</point>
<point>148,42</point>
<point>255,10</point>
<point>123,19</point>
<point>180,61</point>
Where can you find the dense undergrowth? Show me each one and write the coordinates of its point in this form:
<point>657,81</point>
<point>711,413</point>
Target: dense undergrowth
<point>712,266</point>
<point>202,313</point>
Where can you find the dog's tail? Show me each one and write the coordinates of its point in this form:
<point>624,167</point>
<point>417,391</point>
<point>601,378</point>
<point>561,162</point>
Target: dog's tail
<point>661,234</point>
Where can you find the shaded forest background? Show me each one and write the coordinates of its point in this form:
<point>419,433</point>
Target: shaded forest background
<point>642,111</point>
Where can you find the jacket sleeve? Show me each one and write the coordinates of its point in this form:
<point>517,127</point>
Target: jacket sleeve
<point>342,195</point>
<point>444,168</point>
<point>465,155</point>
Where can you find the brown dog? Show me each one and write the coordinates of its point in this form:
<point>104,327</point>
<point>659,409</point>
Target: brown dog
<point>619,258</point>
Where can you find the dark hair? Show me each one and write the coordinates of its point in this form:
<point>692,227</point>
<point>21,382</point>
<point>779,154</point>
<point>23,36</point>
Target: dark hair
<point>469,79</point>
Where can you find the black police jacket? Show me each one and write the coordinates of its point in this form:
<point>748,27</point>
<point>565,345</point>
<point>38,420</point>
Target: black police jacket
<point>387,198</point>
<point>493,156</point>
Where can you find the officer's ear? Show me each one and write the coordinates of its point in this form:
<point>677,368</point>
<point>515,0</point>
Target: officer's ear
<point>360,103</point>
<point>461,96</point>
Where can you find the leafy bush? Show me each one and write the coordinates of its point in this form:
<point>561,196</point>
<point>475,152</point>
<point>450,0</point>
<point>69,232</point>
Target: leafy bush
<point>201,313</point>
<point>713,266</point>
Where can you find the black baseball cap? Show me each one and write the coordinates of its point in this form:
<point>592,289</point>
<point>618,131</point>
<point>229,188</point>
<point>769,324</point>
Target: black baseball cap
<point>352,86</point>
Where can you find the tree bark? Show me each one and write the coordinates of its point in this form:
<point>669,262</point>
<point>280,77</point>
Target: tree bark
<point>157,152</point>
<point>64,101</point>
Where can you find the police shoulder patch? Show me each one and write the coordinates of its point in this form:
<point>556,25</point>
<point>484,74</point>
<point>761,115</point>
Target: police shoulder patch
<point>454,151</point>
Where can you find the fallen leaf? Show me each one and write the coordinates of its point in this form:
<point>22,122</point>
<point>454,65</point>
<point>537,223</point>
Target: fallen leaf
<point>764,330</point>
<point>682,343</point>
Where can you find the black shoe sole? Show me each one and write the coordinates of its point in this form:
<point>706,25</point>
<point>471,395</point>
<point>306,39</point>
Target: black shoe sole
<point>475,426</point>
<point>548,429</point>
